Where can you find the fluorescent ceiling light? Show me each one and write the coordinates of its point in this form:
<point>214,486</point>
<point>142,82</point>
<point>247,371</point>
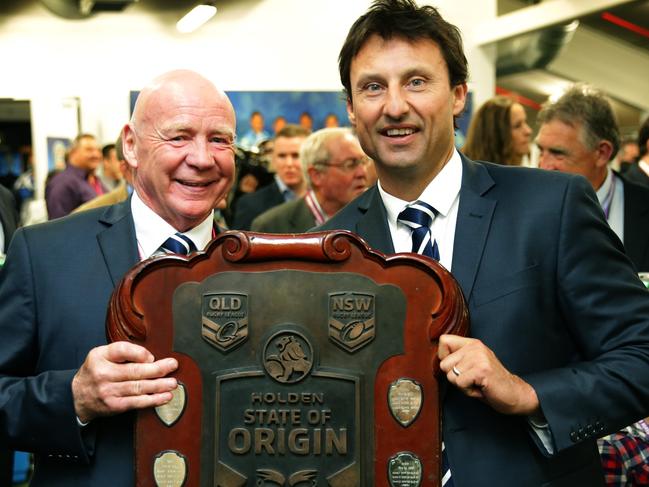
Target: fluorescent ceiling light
<point>195,18</point>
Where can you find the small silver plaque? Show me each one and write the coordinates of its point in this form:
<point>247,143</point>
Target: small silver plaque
<point>404,470</point>
<point>169,469</point>
<point>172,411</point>
<point>405,398</point>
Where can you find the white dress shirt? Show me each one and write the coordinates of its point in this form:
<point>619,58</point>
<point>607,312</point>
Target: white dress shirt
<point>611,197</point>
<point>443,194</point>
<point>151,230</point>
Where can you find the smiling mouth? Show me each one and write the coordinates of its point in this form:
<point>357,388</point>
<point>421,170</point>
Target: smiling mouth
<point>194,184</point>
<point>400,132</point>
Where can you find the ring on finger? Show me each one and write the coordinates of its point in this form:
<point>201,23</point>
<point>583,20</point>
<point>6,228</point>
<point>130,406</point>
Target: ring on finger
<point>456,371</point>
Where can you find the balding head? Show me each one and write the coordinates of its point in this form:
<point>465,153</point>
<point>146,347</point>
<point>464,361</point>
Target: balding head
<point>179,143</point>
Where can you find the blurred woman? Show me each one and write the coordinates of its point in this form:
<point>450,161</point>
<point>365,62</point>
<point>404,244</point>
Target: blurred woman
<point>499,133</point>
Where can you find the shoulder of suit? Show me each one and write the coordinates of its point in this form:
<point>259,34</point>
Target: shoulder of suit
<point>280,211</point>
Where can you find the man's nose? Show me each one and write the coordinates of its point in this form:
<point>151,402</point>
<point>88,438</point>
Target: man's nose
<point>396,105</point>
<point>199,155</point>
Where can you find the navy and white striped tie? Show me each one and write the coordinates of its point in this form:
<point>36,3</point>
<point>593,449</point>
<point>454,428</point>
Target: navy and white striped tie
<point>178,244</point>
<point>419,216</point>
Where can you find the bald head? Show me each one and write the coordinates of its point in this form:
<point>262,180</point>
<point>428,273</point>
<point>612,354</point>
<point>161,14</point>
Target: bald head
<point>176,86</point>
<point>180,145</point>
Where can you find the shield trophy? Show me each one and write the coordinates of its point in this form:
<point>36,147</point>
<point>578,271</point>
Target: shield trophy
<point>304,360</point>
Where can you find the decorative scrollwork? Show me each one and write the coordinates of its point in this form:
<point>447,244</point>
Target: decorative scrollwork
<point>337,246</point>
<point>235,246</point>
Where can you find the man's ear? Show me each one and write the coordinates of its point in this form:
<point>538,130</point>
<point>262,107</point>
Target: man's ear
<point>459,98</point>
<point>350,112</point>
<point>314,177</point>
<point>604,152</point>
<point>128,145</point>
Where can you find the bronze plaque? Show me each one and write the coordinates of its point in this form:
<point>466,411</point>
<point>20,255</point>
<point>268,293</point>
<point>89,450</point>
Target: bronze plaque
<point>169,469</point>
<point>405,470</point>
<point>170,413</point>
<point>304,361</point>
<point>405,397</point>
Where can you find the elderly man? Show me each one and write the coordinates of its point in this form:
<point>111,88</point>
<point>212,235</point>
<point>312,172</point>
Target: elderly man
<point>64,393</point>
<point>559,344</point>
<point>289,182</point>
<point>77,183</point>
<point>579,135</point>
<point>336,169</point>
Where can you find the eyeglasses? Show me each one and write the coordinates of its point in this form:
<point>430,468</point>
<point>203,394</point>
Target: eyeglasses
<point>347,166</point>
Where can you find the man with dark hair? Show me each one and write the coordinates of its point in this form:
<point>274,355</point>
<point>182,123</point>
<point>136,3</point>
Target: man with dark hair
<point>109,172</point>
<point>579,135</point>
<point>77,183</point>
<point>559,339</point>
<point>122,191</point>
<point>336,168</point>
<point>639,172</point>
<point>289,181</point>
<point>65,394</point>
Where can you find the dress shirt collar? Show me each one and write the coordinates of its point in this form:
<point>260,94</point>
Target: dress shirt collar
<point>151,230</point>
<point>644,166</point>
<point>604,191</point>
<point>440,193</point>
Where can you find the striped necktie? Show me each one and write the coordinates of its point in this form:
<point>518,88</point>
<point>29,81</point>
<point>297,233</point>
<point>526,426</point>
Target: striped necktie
<point>418,217</point>
<point>178,244</point>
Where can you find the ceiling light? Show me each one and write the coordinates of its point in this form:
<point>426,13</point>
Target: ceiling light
<point>196,17</point>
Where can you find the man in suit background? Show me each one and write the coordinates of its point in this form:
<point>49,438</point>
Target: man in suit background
<point>289,181</point>
<point>559,339</point>
<point>8,225</point>
<point>639,172</point>
<point>579,135</point>
<point>8,220</point>
<point>336,170</point>
<point>64,393</point>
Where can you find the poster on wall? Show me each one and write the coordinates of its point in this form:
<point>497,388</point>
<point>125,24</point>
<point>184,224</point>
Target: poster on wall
<point>273,109</point>
<point>56,150</point>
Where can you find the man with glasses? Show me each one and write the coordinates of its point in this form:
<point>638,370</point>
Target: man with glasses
<point>336,168</point>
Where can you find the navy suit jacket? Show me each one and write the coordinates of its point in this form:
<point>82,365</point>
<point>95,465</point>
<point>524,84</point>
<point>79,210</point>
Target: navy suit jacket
<point>551,292</point>
<point>251,205</point>
<point>54,291</point>
<point>8,215</point>
<point>636,175</point>
<point>636,224</point>
<point>290,217</point>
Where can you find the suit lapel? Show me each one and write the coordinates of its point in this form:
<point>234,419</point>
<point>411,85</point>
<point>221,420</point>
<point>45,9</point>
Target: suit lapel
<point>373,224</point>
<point>473,222</point>
<point>117,241</point>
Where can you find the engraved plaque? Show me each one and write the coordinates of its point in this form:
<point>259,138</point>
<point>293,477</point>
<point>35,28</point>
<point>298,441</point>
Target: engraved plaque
<point>172,411</point>
<point>405,398</point>
<point>305,360</point>
<point>169,469</point>
<point>405,470</point>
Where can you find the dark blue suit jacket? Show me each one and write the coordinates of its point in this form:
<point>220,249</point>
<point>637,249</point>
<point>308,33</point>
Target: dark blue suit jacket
<point>54,291</point>
<point>254,204</point>
<point>636,224</point>
<point>551,292</point>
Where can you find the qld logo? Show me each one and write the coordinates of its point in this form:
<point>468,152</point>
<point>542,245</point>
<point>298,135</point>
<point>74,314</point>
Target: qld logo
<point>351,319</point>
<point>224,319</point>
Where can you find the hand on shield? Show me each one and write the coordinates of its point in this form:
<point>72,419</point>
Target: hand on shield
<point>119,377</point>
